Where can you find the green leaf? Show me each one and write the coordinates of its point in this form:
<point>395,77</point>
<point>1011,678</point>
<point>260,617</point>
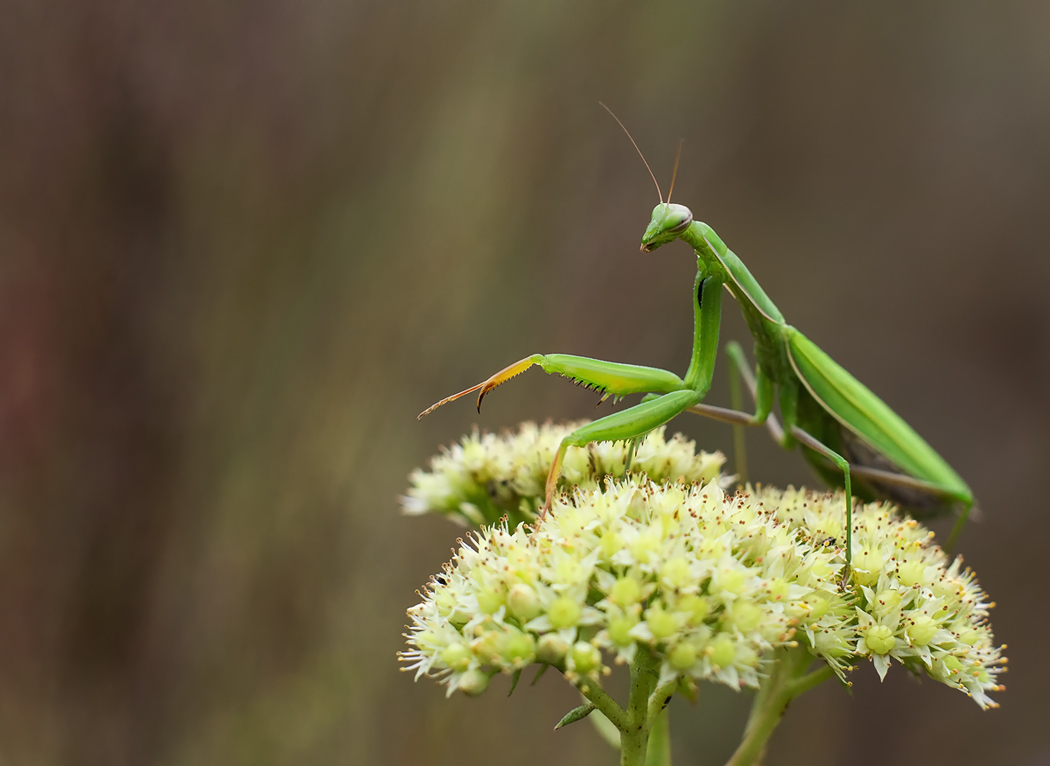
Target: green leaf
<point>576,714</point>
<point>539,674</point>
<point>514,682</point>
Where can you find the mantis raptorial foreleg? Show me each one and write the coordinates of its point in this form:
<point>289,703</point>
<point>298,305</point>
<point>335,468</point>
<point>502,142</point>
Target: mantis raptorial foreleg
<point>818,397</point>
<point>608,378</point>
<point>668,394</point>
<point>629,425</point>
<point>671,397</point>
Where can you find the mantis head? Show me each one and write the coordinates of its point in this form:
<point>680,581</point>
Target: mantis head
<point>668,224</point>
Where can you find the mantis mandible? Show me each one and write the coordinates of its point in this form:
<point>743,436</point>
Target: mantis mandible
<point>844,429</point>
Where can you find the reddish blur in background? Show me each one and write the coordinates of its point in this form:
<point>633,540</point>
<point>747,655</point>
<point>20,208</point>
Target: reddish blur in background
<point>242,244</point>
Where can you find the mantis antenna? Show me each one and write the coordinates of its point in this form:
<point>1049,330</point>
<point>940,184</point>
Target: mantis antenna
<point>674,173</point>
<point>625,130</point>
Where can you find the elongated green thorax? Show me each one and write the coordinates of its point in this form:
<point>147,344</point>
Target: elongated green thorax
<point>710,247</point>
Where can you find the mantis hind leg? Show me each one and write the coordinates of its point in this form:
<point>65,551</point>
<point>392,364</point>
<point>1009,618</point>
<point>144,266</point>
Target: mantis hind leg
<point>910,482</point>
<point>789,403</point>
<point>736,401</point>
<point>967,507</point>
<point>843,465</point>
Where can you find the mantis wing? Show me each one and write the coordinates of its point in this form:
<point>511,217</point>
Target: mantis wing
<point>854,405</point>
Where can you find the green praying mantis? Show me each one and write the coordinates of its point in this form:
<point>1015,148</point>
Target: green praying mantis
<point>849,435</point>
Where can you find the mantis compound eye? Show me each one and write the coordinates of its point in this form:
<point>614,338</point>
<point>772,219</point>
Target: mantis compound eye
<point>680,227</point>
<point>678,219</point>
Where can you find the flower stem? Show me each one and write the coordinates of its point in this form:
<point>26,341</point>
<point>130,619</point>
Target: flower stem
<point>787,682</point>
<point>601,700</point>
<point>645,715</point>
<point>634,738</point>
<point>658,752</point>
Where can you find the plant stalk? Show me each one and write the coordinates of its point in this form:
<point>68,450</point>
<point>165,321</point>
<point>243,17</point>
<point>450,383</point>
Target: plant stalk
<point>787,682</point>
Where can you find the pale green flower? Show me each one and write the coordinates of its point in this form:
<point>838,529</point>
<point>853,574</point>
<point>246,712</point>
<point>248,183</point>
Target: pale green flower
<point>913,604</point>
<point>487,476</point>
<point>709,583</point>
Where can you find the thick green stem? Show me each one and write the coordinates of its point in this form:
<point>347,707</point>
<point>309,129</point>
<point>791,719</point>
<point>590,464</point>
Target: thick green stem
<point>789,679</point>
<point>634,738</point>
<point>644,726</point>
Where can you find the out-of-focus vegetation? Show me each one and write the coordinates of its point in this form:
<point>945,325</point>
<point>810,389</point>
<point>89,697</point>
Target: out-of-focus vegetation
<point>242,244</point>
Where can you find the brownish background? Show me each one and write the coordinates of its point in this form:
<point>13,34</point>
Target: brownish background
<point>242,244</point>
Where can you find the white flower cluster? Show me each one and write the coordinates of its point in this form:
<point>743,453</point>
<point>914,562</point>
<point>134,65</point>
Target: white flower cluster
<point>709,583</point>
<point>913,604</point>
<point>487,476</point>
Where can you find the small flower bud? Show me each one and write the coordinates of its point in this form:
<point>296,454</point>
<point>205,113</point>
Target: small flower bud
<point>745,617</point>
<point>645,546</point>
<point>721,651</point>
<point>731,581</point>
<point>625,592</point>
<point>661,624</point>
<point>457,657</point>
<point>486,647</point>
<point>524,603</point>
<point>620,630</point>
<point>887,600</point>
<point>552,649</point>
<point>922,630</point>
<point>867,565</point>
<point>563,613</point>
<point>970,636</point>
<point>697,607</point>
<point>473,682</point>
<point>778,589</point>
<point>910,573</point>
<point>489,601</point>
<point>675,572</point>
<point>585,657</point>
<point>683,656</point>
<point>611,544</point>
<point>879,639</point>
<point>818,607</point>
<point>516,649</point>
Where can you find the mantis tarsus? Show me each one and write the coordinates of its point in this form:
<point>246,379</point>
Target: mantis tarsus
<point>844,429</point>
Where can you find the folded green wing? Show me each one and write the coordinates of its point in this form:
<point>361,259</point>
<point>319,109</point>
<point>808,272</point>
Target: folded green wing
<point>854,405</point>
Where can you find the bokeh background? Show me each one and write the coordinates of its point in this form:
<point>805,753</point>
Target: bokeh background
<point>242,244</point>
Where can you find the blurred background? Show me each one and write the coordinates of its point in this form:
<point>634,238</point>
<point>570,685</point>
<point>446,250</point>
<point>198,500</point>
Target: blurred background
<point>242,244</point>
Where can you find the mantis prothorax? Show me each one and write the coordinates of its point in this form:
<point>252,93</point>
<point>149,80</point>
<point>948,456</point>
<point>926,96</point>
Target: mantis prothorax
<point>844,429</point>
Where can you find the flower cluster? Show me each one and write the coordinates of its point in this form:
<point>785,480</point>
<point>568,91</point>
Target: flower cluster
<point>487,476</point>
<point>913,604</point>
<point>709,583</point>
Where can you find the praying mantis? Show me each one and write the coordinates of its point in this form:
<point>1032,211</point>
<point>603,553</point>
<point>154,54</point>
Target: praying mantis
<point>845,431</point>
